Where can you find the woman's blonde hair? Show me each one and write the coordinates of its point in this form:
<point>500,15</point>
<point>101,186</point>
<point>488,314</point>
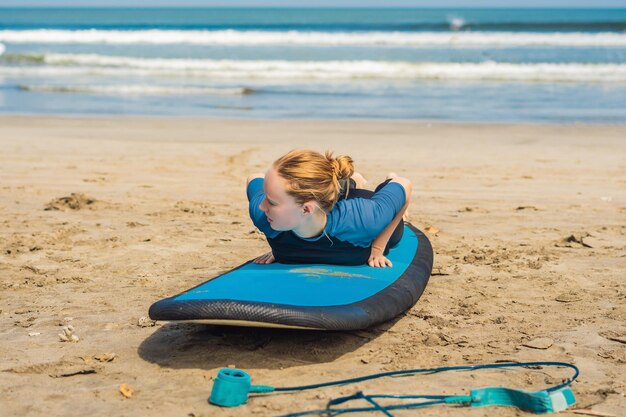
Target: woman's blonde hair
<point>313,176</point>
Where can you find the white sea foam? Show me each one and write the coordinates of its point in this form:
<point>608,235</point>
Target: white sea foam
<point>118,89</point>
<point>88,64</point>
<point>258,38</point>
<point>2,49</point>
<point>456,23</point>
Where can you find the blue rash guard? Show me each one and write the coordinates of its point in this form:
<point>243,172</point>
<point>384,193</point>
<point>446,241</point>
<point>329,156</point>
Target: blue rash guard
<point>352,225</point>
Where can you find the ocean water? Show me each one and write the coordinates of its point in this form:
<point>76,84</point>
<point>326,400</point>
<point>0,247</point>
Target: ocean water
<point>480,65</point>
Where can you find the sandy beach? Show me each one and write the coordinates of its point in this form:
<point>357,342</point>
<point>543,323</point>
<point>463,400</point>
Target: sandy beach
<point>100,217</point>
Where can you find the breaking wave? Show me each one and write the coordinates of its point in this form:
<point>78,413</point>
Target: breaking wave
<point>91,64</point>
<point>260,38</point>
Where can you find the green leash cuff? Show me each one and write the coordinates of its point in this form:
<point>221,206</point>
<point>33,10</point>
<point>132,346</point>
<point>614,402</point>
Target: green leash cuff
<point>539,402</point>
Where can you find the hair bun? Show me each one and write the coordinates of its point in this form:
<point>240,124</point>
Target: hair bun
<point>334,165</point>
<point>343,167</point>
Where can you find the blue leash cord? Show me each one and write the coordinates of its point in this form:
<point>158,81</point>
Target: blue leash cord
<point>525,400</point>
<point>443,369</point>
<point>232,386</point>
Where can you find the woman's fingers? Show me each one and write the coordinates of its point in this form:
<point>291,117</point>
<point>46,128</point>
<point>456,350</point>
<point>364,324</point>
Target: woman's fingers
<point>379,262</point>
<point>266,258</point>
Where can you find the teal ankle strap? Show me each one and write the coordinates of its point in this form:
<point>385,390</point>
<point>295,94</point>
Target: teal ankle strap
<point>539,402</point>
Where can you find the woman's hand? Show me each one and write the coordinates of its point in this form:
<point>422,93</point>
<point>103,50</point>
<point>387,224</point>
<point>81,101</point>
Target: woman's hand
<point>267,258</point>
<point>359,180</point>
<point>377,259</point>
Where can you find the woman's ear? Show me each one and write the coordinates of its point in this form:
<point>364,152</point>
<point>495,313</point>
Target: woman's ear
<point>308,208</point>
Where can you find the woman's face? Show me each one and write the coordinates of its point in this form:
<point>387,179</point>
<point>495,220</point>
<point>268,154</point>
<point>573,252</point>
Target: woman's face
<point>281,209</point>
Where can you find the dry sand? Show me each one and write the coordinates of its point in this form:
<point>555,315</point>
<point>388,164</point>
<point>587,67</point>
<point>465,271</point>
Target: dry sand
<point>100,217</point>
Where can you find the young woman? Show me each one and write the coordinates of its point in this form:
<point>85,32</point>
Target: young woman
<point>310,211</point>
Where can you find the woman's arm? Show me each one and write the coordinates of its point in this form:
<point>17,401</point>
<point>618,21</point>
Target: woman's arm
<point>377,257</point>
<point>266,258</point>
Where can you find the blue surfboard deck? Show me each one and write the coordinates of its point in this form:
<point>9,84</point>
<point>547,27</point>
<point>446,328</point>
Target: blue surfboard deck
<point>311,296</point>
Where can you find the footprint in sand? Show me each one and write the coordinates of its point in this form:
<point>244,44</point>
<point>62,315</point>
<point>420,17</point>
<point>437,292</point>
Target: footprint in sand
<point>97,180</point>
<point>76,201</point>
<point>235,164</point>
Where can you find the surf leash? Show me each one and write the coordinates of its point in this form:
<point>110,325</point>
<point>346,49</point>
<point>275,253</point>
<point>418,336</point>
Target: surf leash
<point>232,387</point>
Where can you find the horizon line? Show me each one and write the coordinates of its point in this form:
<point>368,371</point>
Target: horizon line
<point>520,7</point>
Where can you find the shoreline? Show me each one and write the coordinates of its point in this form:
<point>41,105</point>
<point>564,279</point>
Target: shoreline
<point>90,116</point>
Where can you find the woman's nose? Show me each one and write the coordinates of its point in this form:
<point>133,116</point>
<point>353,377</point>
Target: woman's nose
<point>262,205</point>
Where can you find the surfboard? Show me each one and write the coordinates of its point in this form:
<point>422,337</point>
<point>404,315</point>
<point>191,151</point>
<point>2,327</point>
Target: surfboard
<point>311,296</point>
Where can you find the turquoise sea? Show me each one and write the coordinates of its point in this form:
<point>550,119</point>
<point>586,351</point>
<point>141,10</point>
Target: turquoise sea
<point>480,65</point>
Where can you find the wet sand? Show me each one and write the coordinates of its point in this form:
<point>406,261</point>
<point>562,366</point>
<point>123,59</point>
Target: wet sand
<point>100,217</point>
